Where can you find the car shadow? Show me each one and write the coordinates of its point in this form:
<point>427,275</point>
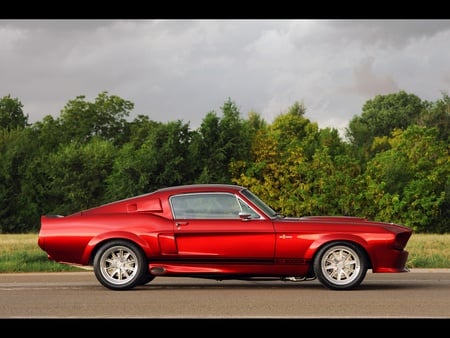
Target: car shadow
<point>281,285</point>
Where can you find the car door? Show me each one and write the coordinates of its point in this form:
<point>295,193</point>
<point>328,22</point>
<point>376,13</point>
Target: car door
<point>208,227</point>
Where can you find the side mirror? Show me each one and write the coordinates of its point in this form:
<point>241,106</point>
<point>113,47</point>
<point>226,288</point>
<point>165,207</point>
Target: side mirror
<point>245,216</point>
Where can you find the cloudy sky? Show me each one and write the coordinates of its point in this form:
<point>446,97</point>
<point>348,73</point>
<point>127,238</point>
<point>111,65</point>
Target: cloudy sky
<point>183,69</point>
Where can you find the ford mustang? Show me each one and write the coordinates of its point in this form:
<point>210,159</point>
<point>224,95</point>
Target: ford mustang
<point>219,231</point>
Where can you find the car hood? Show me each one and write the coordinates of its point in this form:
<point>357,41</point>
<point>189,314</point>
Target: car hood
<point>348,220</point>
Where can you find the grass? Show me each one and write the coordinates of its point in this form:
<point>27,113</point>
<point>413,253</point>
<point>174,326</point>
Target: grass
<point>20,253</point>
<point>429,251</point>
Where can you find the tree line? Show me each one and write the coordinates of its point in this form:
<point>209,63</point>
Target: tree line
<point>391,165</point>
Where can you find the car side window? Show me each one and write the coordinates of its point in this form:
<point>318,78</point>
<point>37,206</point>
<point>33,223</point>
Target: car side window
<point>179,206</point>
<point>246,209</point>
<point>227,206</point>
<point>205,206</point>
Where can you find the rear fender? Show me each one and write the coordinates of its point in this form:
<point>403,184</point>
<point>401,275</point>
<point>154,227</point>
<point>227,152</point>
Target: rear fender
<point>97,241</point>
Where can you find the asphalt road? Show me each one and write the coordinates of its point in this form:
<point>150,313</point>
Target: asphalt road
<point>416,294</point>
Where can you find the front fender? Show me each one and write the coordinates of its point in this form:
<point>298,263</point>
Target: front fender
<point>323,240</point>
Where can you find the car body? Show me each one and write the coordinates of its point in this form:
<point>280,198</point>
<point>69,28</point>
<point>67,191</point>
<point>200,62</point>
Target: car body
<point>219,231</point>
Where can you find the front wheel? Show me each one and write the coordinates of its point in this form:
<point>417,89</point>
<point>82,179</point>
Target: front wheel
<point>120,265</point>
<point>340,266</point>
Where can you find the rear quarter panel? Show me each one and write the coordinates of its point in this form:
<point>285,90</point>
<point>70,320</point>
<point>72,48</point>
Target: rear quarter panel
<point>72,239</point>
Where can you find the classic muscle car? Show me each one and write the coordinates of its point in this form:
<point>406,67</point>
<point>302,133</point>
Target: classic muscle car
<point>219,231</point>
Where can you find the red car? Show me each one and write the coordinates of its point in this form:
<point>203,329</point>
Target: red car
<point>219,231</point>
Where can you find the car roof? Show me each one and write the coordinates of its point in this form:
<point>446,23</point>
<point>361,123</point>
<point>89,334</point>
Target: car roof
<point>202,187</point>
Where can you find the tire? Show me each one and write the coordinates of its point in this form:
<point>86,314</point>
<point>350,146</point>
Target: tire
<point>340,266</point>
<point>146,278</point>
<point>120,265</point>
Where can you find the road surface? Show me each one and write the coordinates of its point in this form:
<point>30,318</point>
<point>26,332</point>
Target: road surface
<point>416,294</point>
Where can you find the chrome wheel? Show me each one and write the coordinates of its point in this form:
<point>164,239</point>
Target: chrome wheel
<point>340,266</point>
<point>119,265</point>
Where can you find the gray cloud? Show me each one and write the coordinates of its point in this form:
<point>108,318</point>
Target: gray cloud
<point>182,69</point>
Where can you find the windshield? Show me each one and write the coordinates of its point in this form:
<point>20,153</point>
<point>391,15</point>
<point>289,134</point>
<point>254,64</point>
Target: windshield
<point>259,203</point>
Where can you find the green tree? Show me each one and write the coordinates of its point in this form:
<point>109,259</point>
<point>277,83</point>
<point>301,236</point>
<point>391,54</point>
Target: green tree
<point>76,174</point>
<point>409,183</point>
<point>278,167</point>
<point>49,134</point>
<point>17,150</point>
<point>140,129</point>
<point>438,115</point>
<point>221,141</point>
<point>255,122</point>
<point>161,159</point>
<point>329,137</point>
<point>381,115</point>
<point>105,118</point>
<point>11,114</point>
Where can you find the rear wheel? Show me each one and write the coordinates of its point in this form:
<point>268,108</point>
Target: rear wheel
<point>340,266</point>
<point>146,278</point>
<point>120,265</point>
